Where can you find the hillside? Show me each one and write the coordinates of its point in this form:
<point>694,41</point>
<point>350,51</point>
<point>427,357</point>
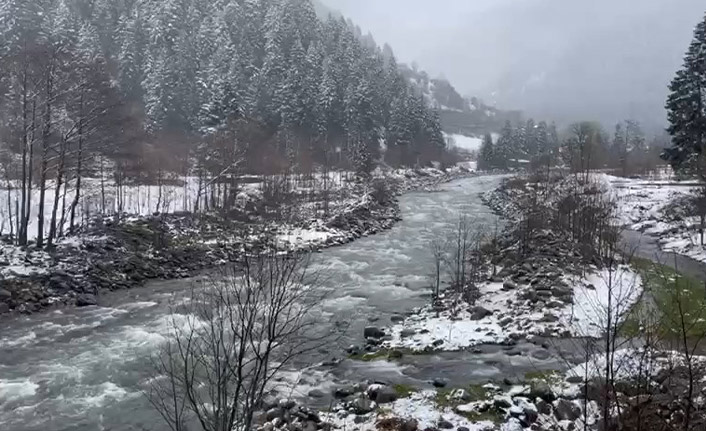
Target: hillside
<point>458,114</point>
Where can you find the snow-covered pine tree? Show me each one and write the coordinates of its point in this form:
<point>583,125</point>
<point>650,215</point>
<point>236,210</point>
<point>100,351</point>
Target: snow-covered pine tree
<point>505,147</point>
<point>486,156</point>
<point>686,108</point>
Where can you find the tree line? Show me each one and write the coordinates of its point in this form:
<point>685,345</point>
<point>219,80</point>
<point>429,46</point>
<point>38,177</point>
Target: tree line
<point>580,147</point>
<point>147,90</point>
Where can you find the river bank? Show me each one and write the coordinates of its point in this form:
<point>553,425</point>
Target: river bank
<point>83,368</point>
<point>544,290</point>
<point>111,255</point>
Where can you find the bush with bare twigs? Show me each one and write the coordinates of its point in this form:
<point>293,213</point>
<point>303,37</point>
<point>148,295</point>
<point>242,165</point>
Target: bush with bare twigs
<point>230,339</point>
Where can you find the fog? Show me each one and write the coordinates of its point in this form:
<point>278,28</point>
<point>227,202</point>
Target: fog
<point>555,59</point>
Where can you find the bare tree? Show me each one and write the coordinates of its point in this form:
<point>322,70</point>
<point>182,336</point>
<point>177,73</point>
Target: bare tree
<point>460,241</point>
<point>439,248</point>
<point>239,331</point>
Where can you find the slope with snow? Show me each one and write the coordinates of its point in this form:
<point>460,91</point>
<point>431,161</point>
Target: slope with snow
<point>463,142</point>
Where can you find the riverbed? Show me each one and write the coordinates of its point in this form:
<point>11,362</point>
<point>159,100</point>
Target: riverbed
<point>85,368</point>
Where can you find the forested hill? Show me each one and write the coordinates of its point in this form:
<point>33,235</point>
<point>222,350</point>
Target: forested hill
<point>167,81</point>
<point>458,114</point>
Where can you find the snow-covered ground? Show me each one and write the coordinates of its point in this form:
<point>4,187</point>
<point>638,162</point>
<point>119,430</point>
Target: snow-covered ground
<point>178,194</point>
<point>467,143</point>
<point>502,314</point>
<point>419,407</point>
<point>658,207</point>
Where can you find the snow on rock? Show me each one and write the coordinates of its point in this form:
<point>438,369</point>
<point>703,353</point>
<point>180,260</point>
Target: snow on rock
<point>303,238</point>
<point>502,313</point>
<point>419,406</point>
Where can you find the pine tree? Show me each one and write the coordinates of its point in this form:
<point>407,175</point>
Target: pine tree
<point>530,144</point>
<point>619,148</point>
<point>505,147</point>
<point>486,157</point>
<point>686,107</point>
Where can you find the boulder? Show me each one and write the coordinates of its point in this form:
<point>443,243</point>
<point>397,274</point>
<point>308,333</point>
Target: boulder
<point>5,294</point>
<point>543,407</point>
<point>460,395</point>
<point>385,394</point>
<point>407,333</point>
<point>575,379</point>
<point>273,413</point>
<point>344,391</point>
<point>478,313</point>
<point>445,425</point>
<point>439,382</point>
<point>86,299</point>
<point>509,284</point>
<point>566,410</point>
<point>549,318</point>
<point>373,332</point>
<point>362,405</point>
<point>316,393</point>
<point>409,425</point>
<point>541,389</point>
<point>502,402</point>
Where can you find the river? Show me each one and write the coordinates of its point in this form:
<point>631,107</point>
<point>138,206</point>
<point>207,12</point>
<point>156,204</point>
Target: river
<point>84,368</point>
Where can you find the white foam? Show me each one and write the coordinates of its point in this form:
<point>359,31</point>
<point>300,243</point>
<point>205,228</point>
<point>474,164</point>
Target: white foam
<point>17,342</point>
<point>107,391</point>
<point>139,305</point>
<point>12,390</point>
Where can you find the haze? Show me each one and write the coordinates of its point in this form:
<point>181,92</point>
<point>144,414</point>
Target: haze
<point>561,60</point>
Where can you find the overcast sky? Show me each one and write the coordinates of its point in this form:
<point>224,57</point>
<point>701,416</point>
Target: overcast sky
<point>561,60</point>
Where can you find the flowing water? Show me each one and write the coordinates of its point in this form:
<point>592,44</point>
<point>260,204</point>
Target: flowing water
<point>84,369</point>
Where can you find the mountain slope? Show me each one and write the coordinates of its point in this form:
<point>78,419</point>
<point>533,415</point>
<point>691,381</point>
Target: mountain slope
<point>459,115</point>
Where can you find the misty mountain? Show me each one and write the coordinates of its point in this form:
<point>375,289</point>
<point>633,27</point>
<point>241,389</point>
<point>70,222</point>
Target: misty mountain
<point>459,115</point>
<point>598,60</point>
<point>604,60</point>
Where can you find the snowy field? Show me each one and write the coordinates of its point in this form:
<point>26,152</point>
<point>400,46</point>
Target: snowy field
<point>180,194</point>
<point>467,143</point>
<point>657,207</point>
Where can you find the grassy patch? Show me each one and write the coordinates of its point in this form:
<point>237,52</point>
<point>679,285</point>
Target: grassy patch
<point>669,297</point>
<point>404,391</point>
<point>476,393</point>
<point>547,376</point>
<point>443,398</point>
<point>491,415</point>
<point>479,393</point>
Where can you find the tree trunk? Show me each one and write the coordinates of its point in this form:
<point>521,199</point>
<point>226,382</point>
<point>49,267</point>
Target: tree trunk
<point>46,132</point>
<point>57,194</point>
<point>22,218</point>
<point>79,172</point>
<point>62,220</point>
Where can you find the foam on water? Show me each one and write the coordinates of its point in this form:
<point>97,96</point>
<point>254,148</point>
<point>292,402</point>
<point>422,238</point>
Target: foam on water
<point>138,305</point>
<point>13,390</point>
<point>19,342</point>
<point>88,379</point>
<point>105,392</point>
